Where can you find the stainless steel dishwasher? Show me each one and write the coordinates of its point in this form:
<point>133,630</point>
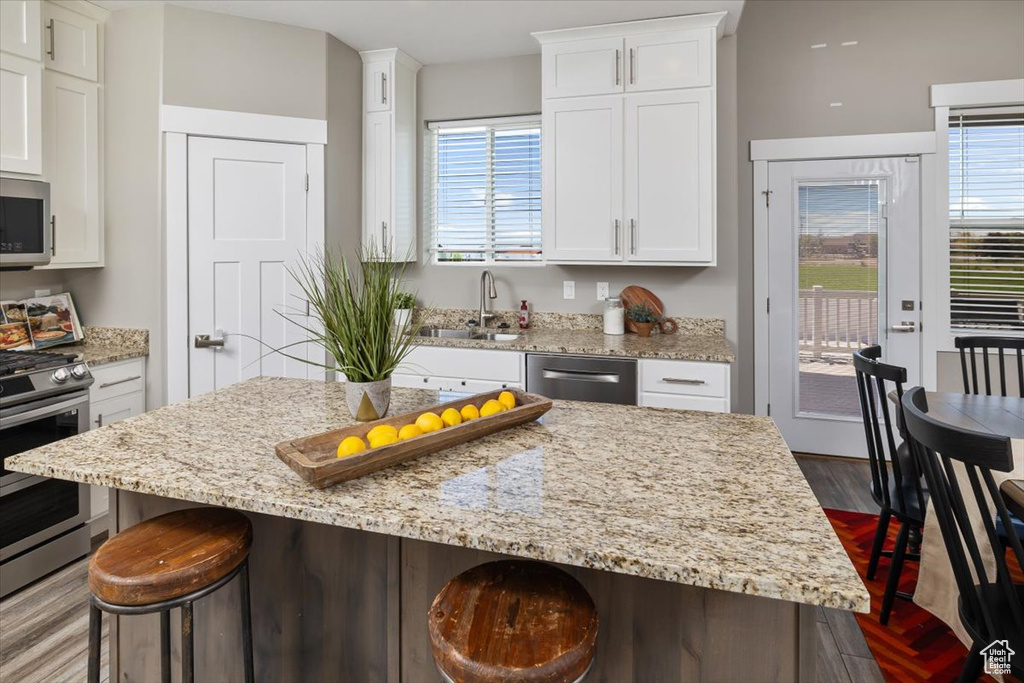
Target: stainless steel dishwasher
<point>582,378</point>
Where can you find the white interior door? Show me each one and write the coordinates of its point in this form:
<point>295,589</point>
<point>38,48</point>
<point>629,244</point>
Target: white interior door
<point>246,227</point>
<point>844,273</point>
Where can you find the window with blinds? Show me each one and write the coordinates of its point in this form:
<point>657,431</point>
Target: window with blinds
<point>986,219</point>
<point>484,190</point>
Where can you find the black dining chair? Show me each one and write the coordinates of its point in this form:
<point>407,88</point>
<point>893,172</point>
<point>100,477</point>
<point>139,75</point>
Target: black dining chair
<point>895,478</point>
<point>968,347</point>
<point>990,608</point>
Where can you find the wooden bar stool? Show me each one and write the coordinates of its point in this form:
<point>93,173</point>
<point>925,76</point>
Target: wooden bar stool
<point>513,620</point>
<point>166,562</point>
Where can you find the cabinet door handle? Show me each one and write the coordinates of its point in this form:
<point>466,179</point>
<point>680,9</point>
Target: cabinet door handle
<point>616,236</point>
<point>383,88</point>
<point>383,234</point>
<point>99,420</point>
<point>53,235</point>
<point>52,52</point>
<point>677,380</point>
<point>618,66</point>
<point>632,235</point>
<point>632,77</point>
<point>120,381</point>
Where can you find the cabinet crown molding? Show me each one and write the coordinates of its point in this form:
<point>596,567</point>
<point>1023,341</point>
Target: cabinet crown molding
<point>715,20</point>
<point>391,54</point>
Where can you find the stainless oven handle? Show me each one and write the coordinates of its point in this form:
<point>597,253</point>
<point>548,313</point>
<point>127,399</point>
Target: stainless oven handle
<point>14,419</point>
<point>581,376</point>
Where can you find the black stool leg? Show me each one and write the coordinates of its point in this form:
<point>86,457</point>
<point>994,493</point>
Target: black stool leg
<point>95,632</point>
<point>876,547</point>
<point>972,667</point>
<point>165,646</point>
<point>188,667</point>
<point>895,568</point>
<point>246,624</point>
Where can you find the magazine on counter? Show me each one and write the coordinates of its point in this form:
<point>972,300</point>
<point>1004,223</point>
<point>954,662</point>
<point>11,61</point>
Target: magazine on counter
<point>39,322</point>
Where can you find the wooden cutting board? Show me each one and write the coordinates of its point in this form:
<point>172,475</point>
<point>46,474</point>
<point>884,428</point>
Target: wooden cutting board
<point>634,295</point>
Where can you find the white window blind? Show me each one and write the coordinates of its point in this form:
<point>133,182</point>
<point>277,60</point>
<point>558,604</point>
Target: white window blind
<point>483,190</point>
<point>986,219</point>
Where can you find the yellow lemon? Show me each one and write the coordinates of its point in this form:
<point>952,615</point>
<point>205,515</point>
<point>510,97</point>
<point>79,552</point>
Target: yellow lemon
<point>451,417</point>
<point>507,399</point>
<point>469,412</point>
<point>429,422</point>
<point>492,407</point>
<point>383,439</point>
<point>380,429</point>
<point>408,432</point>
<point>350,446</point>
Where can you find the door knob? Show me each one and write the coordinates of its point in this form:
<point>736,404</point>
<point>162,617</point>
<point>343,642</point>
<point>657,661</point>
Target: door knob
<point>204,341</point>
<point>905,326</point>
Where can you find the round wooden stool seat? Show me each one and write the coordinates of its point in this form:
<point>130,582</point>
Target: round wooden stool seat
<point>169,556</point>
<point>513,620</point>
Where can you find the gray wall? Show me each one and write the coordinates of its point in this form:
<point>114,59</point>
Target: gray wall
<point>513,86</point>
<point>219,61</point>
<point>344,162</point>
<point>784,87</point>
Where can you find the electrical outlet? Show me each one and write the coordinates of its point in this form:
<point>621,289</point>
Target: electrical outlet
<point>43,292</point>
<point>602,291</point>
<point>569,289</point>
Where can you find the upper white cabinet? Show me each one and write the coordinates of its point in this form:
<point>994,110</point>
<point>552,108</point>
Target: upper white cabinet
<point>582,179</point>
<point>389,152</point>
<point>19,28</point>
<point>70,42</point>
<point>21,117</point>
<point>629,164</point>
<point>71,153</point>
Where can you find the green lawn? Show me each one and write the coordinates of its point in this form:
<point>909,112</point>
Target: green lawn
<point>856,277</point>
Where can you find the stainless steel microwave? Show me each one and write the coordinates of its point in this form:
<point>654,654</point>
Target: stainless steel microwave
<point>26,239</point>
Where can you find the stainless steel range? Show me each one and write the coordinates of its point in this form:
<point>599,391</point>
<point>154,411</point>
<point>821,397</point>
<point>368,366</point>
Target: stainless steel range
<point>44,397</point>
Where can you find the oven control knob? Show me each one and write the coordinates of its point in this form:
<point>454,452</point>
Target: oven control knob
<point>80,371</point>
<point>60,375</point>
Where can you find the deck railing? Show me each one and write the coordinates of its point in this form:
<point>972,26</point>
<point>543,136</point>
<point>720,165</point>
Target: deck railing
<point>836,320</point>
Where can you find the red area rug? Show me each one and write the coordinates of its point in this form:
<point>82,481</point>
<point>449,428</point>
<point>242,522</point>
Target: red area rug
<point>914,646</point>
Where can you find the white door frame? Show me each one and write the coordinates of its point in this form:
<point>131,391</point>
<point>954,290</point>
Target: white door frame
<point>809,149</point>
<point>177,124</point>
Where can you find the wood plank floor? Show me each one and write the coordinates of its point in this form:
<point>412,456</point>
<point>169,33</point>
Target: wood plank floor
<point>44,628</point>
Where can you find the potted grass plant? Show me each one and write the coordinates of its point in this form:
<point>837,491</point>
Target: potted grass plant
<point>352,316</point>
<point>404,303</point>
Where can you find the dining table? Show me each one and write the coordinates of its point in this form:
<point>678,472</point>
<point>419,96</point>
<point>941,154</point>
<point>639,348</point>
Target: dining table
<point>1001,415</point>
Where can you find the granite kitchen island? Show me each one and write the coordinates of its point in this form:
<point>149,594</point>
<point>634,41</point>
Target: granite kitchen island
<point>698,537</point>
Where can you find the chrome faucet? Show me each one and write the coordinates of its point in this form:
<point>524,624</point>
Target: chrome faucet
<point>485,313</point>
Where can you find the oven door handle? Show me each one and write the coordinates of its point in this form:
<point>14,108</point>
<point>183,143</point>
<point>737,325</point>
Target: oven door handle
<point>15,418</point>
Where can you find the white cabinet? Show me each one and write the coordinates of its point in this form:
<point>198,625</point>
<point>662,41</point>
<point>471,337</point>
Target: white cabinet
<point>389,153</point>
<point>466,370</point>
<point>684,385</point>
<point>582,179</point>
<point>670,59</point>
<point>19,28</point>
<point>117,393</point>
<point>629,167</point>
<point>71,150</point>
<point>670,166</point>
<point>70,42</point>
<point>21,116</point>
<point>582,67</point>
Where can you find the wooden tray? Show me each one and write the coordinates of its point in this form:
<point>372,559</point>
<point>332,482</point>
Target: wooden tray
<point>315,458</point>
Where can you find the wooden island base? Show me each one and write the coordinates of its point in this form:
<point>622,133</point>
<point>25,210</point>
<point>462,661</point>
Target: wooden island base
<point>335,604</point>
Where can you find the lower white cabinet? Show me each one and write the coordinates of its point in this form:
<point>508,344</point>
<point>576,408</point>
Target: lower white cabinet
<point>118,392</point>
<point>684,385</point>
<point>467,370</point>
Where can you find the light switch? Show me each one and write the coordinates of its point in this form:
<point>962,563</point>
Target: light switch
<point>43,292</point>
<point>602,291</point>
<point>569,289</point>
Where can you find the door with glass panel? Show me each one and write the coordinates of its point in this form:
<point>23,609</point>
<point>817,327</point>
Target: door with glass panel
<point>844,273</point>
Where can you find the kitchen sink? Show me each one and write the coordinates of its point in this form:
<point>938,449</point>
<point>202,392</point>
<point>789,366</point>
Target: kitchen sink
<point>441,333</point>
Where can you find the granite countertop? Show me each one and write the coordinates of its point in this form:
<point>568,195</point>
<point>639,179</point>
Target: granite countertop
<point>704,499</point>
<point>109,344</point>
<point>698,339</point>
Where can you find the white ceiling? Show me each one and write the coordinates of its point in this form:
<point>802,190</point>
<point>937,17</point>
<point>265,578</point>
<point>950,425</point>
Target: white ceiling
<point>443,31</point>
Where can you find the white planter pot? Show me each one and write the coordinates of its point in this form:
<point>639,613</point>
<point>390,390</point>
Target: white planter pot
<point>368,401</point>
<point>402,317</point>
